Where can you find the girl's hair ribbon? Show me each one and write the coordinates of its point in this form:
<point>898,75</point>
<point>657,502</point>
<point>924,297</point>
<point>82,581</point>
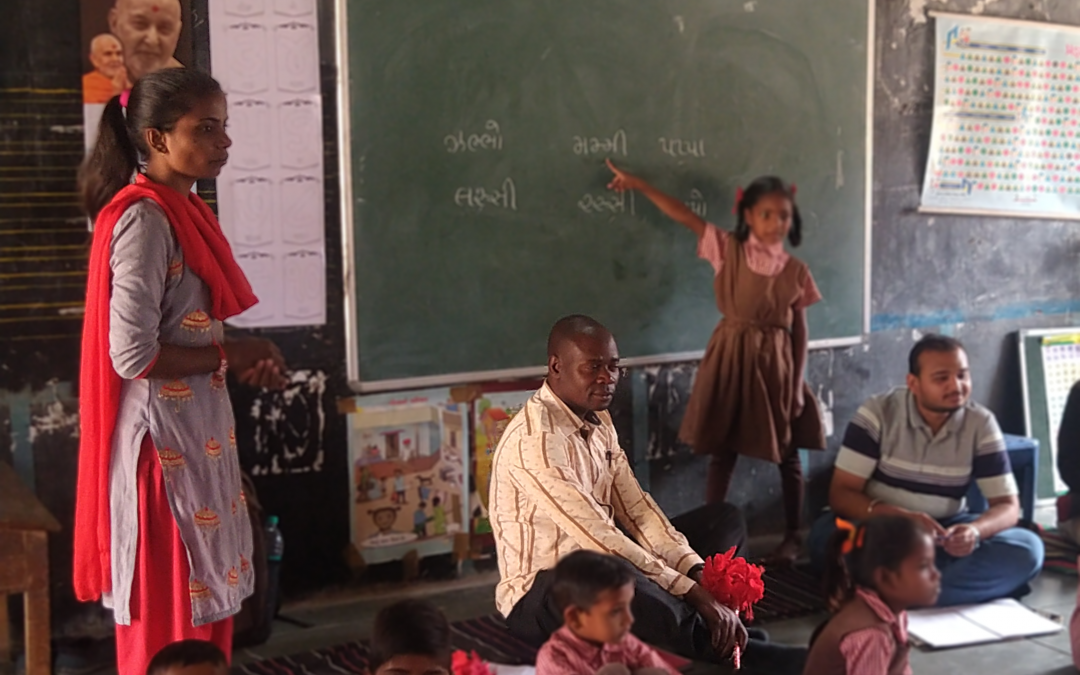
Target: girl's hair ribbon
<point>854,538</point>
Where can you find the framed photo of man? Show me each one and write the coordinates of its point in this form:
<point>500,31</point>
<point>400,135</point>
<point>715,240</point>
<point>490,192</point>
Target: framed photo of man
<point>123,40</point>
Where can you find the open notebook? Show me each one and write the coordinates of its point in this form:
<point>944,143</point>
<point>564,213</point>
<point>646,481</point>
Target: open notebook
<point>975,624</point>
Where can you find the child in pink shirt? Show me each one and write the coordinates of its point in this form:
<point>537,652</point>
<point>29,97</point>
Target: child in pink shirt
<point>594,592</point>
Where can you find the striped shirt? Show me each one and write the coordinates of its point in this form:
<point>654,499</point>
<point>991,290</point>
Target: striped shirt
<point>870,651</point>
<point>559,484</point>
<point>907,465</point>
<point>568,654</point>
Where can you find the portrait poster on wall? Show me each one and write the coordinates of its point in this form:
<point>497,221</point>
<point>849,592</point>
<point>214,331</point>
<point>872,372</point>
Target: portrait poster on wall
<point>122,40</point>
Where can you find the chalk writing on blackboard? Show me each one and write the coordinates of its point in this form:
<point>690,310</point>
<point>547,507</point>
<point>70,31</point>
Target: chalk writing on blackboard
<point>592,145</point>
<point>489,140</point>
<point>504,197</point>
<point>678,147</point>
<point>610,202</point>
<point>698,204</point>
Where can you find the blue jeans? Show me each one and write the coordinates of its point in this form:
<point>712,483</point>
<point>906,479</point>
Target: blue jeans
<point>1001,566</point>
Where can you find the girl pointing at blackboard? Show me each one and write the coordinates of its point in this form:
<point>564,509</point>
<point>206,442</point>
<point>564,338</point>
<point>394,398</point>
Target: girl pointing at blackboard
<point>749,397</point>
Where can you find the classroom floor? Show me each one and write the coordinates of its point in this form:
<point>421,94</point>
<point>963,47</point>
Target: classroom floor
<point>332,621</point>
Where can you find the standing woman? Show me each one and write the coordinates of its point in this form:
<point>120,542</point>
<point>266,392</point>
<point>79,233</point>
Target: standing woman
<point>161,529</point>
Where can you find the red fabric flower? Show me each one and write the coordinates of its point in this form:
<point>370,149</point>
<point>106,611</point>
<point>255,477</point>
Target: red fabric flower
<point>468,664</point>
<point>734,582</point>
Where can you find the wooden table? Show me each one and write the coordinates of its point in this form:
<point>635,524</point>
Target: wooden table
<point>24,568</point>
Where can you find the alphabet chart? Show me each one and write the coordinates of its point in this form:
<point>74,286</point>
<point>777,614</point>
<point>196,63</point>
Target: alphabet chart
<point>270,196</point>
<point>1006,131</point>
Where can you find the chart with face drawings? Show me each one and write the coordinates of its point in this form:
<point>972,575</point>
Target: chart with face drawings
<point>270,196</point>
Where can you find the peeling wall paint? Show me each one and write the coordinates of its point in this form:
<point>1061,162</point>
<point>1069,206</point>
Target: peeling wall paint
<point>289,427</point>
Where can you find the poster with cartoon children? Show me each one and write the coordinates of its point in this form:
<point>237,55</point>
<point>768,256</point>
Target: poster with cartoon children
<point>407,485</point>
<point>491,413</point>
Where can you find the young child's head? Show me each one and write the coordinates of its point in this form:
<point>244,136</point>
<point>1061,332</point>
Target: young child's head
<point>767,209</point>
<point>411,637</point>
<point>189,657</point>
<point>891,555</point>
<point>594,592</point>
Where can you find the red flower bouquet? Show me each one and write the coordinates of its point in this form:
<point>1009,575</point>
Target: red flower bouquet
<point>734,583</point>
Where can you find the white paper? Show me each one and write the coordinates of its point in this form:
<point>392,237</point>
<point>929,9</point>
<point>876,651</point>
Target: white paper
<point>253,211</point>
<point>301,208</point>
<point>303,273</point>
<point>251,129</point>
<point>300,133</point>
<point>271,196</point>
<point>297,50</point>
<point>294,7</point>
<point>245,7</point>
<point>1008,618</point>
<point>976,624</point>
<point>248,58</point>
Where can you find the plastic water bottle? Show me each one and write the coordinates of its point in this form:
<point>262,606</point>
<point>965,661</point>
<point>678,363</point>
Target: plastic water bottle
<point>275,549</point>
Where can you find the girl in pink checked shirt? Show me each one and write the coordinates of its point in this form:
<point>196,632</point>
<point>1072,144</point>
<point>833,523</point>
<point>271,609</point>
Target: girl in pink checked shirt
<point>594,592</point>
<point>749,397</point>
<point>878,570</point>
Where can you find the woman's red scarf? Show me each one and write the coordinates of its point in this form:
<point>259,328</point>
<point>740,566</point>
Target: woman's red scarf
<point>209,256</point>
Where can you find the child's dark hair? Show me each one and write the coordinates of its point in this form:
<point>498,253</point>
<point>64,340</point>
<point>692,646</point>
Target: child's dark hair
<point>156,101</point>
<point>931,343</point>
<point>762,187</point>
<point>582,576</point>
<point>186,653</point>
<point>881,541</point>
<point>413,627</point>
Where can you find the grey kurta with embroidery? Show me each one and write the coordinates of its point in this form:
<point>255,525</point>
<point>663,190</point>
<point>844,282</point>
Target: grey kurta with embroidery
<point>157,299</point>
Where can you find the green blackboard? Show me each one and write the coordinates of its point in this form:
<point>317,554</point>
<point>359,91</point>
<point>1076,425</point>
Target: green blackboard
<point>478,130</point>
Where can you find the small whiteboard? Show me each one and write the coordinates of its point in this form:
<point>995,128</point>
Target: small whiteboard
<point>1050,365</point>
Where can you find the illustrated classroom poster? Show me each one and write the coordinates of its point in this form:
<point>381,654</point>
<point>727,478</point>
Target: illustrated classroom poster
<point>408,483</point>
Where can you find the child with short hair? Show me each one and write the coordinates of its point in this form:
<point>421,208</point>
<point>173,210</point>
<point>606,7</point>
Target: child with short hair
<point>189,657</point>
<point>594,592</point>
<point>877,571</point>
<point>411,637</point>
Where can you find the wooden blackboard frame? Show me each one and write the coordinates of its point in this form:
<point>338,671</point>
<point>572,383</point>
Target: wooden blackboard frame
<point>351,294</point>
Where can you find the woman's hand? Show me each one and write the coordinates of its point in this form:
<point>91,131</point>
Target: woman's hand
<point>623,181</point>
<point>256,362</point>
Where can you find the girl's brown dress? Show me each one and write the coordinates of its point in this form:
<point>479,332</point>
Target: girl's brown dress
<point>742,398</point>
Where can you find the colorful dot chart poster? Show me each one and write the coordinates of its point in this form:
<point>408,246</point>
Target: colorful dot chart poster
<point>1006,130</point>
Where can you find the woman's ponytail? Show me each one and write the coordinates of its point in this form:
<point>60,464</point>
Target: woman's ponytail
<point>110,164</point>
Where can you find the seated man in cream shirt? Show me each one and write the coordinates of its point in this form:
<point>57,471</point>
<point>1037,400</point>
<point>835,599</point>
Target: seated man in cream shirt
<point>560,483</point>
